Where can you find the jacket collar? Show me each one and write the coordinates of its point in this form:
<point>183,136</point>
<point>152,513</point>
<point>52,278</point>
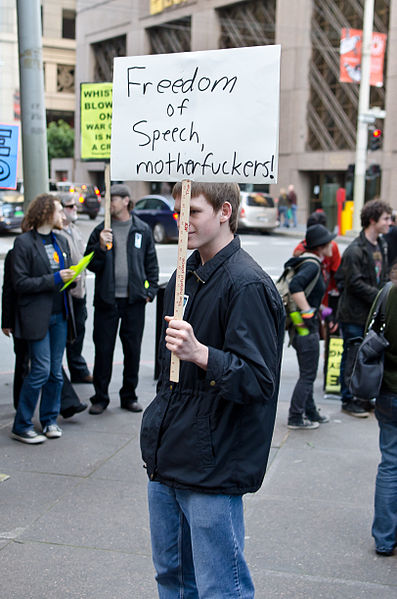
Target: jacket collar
<point>382,243</point>
<point>136,224</point>
<point>205,271</point>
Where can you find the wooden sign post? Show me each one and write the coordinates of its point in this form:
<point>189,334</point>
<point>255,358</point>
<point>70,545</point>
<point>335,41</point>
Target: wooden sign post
<point>181,267</point>
<point>107,201</point>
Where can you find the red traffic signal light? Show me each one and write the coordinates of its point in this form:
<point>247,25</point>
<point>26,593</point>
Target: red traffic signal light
<point>376,139</point>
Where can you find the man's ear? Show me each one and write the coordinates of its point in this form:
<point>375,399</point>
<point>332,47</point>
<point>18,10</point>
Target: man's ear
<point>226,211</point>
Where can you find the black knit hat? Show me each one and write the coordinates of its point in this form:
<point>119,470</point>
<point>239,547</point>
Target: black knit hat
<point>118,189</point>
<point>317,235</point>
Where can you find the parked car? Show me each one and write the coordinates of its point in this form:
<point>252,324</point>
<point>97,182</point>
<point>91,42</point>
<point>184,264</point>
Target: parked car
<point>11,209</point>
<point>158,212</point>
<point>87,197</point>
<point>257,212</point>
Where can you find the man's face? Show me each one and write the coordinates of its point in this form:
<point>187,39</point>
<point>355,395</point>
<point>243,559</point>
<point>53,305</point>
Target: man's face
<point>383,224</point>
<point>57,217</point>
<point>70,212</point>
<point>204,223</point>
<point>118,205</point>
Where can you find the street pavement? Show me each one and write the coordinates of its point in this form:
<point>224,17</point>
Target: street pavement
<point>74,519</point>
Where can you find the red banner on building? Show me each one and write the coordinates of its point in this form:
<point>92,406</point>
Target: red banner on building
<point>350,56</point>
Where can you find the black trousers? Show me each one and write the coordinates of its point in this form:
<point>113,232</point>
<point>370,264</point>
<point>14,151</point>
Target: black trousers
<point>77,365</point>
<point>21,368</point>
<point>69,397</point>
<point>106,323</point>
<point>308,352</point>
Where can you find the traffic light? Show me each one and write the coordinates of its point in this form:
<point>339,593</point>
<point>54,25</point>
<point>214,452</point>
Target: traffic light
<point>375,141</point>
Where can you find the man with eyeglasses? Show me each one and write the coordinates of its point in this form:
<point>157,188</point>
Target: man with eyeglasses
<point>78,368</point>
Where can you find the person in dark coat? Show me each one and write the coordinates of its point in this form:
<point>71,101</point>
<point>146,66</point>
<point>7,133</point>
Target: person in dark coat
<point>126,278</point>
<point>21,346</point>
<point>40,262</point>
<point>205,440</point>
<point>70,402</point>
<point>384,527</point>
<point>363,271</point>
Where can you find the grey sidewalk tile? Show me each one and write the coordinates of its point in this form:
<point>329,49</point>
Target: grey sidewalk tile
<point>44,571</point>
<point>124,466</point>
<point>313,473</point>
<point>76,453</point>
<point>282,585</point>
<point>26,496</point>
<point>100,514</point>
<point>311,538</point>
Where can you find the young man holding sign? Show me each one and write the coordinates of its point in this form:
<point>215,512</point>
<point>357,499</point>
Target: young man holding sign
<point>206,439</point>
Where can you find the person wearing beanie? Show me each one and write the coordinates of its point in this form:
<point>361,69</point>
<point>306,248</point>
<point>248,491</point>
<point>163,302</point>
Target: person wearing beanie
<point>126,278</point>
<point>303,413</point>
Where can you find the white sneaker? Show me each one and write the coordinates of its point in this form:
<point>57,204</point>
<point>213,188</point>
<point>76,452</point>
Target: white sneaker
<point>29,436</point>
<point>52,431</point>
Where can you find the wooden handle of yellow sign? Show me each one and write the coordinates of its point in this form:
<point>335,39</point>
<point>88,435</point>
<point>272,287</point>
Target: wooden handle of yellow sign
<point>181,267</point>
<point>107,201</point>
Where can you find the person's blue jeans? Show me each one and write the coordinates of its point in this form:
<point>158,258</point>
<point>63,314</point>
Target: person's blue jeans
<point>349,330</point>
<point>45,375</point>
<point>384,528</point>
<point>294,209</point>
<point>307,349</point>
<point>198,544</point>
<point>282,210</point>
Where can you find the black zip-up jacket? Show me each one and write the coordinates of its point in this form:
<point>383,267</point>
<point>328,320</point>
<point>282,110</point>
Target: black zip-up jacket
<point>212,431</point>
<point>142,265</point>
<point>34,284</point>
<point>356,278</point>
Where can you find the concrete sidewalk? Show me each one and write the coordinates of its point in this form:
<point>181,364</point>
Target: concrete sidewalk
<point>74,522</point>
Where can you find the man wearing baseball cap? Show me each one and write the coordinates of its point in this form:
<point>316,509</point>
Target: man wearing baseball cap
<point>126,278</point>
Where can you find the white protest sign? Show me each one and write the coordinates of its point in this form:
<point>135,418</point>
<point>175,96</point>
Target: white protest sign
<point>206,116</point>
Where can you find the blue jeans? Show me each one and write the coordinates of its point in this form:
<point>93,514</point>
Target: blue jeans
<point>45,375</point>
<point>294,209</point>
<point>198,544</point>
<point>349,330</point>
<point>384,528</point>
<point>308,352</point>
<point>282,210</point>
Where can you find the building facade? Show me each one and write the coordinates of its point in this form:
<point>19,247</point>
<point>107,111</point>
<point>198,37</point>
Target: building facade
<point>59,57</point>
<point>318,114</point>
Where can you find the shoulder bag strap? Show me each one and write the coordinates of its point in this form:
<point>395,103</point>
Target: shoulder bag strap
<point>378,308</point>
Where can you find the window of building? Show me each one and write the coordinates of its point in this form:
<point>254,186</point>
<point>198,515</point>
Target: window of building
<point>249,23</point>
<point>333,106</point>
<point>170,37</point>
<point>69,24</point>
<point>104,52</point>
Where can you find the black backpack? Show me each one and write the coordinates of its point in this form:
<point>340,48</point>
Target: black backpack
<point>282,285</point>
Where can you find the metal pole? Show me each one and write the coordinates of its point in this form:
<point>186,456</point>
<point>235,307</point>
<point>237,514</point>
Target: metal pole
<point>363,107</point>
<point>33,118</point>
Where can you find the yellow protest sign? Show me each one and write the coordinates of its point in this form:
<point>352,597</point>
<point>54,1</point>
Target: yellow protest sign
<point>332,379</point>
<point>78,268</point>
<point>95,120</point>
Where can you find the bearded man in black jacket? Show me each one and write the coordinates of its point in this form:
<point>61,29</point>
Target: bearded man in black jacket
<point>206,439</point>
